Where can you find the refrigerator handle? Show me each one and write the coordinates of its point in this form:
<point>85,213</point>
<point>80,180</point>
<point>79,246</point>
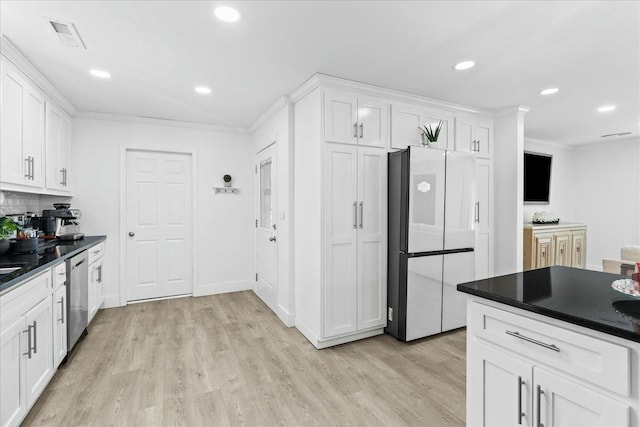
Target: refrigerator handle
<point>355,214</point>
<point>361,214</point>
<point>477,213</point>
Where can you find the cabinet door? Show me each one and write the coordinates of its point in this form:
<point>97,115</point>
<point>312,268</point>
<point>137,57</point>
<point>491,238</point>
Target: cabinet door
<point>52,150</point>
<point>373,121</point>
<point>464,135</point>
<point>372,230</point>
<point>12,160</point>
<point>99,284</point>
<point>544,250</point>
<point>561,402</point>
<point>33,133</point>
<point>64,150</point>
<point>59,320</point>
<point>340,117</point>
<point>13,396</point>
<point>578,245</point>
<point>406,121</point>
<point>483,137</point>
<point>340,224</point>
<point>40,364</point>
<point>562,249</point>
<point>483,194</point>
<point>92,290</point>
<point>483,256</point>
<point>499,388</point>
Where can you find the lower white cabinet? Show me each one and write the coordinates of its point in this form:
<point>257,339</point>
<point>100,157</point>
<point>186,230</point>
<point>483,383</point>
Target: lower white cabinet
<point>525,372</point>
<point>59,320</point>
<point>26,347</point>
<point>96,287</point>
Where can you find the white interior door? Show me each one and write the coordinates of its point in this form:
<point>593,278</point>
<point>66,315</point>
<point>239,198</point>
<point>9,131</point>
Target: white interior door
<point>266,228</point>
<point>159,225</point>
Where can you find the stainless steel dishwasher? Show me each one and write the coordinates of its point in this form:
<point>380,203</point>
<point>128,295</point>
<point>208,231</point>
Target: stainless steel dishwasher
<point>77,298</point>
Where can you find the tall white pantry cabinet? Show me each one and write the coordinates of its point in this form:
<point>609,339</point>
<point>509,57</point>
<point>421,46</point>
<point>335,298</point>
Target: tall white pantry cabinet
<point>341,210</point>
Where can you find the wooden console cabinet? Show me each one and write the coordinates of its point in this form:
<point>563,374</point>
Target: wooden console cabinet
<point>554,244</point>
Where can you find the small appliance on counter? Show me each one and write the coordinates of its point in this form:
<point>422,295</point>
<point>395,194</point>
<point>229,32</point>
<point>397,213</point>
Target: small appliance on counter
<point>62,222</point>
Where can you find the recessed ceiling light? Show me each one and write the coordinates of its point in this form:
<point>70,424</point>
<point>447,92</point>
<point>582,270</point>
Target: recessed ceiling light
<point>464,65</point>
<point>606,108</point>
<point>549,91</point>
<point>202,90</point>
<point>227,14</point>
<point>101,73</point>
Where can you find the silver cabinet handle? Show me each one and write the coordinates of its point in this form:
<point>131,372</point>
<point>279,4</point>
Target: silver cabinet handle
<point>272,238</point>
<point>100,269</point>
<point>355,214</point>
<point>28,164</point>
<point>520,413</point>
<point>355,130</point>
<point>62,176</point>
<point>28,332</point>
<point>539,393</point>
<point>61,302</point>
<point>361,214</point>
<point>361,130</point>
<point>477,212</point>
<point>531,340</point>
<point>33,168</point>
<point>35,337</point>
<point>131,234</point>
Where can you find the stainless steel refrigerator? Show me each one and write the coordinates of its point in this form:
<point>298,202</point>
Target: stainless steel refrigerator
<point>432,219</point>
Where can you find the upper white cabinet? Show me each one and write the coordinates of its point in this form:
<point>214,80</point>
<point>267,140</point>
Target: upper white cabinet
<point>407,120</point>
<point>58,148</point>
<point>355,119</point>
<point>22,130</point>
<point>474,135</point>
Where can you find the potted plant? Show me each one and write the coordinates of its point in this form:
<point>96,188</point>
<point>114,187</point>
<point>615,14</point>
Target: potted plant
<point>430,134</point>
<point>7,227</point>
<point>227,180</point>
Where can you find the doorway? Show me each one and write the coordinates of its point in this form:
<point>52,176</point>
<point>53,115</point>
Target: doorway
<point>158,231</point>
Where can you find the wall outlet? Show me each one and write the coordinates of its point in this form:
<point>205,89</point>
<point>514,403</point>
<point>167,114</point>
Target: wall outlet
<point>390,314</point>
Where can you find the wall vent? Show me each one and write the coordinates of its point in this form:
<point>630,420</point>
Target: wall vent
<point>67,34</point>
<point>615,134</point>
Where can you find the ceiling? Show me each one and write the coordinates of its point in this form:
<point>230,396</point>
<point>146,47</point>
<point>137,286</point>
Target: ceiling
<point>157,51</point>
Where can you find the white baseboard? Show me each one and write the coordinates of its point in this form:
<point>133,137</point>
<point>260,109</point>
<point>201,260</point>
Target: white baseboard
<point>287,318</point>
<point>223,287</point>
<point>111,301</point>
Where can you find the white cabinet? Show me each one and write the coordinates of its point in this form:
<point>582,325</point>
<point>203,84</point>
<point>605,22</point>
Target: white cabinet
<point>58,148</point>
<point>22,130</point>
<point>483,218</point>
<point>59,320</point>
<point>474,135</point>
<point>355,119</point>
<point>355,189</point>
<point>341,234</point>
<point>96,288</point>
<point>408,119</point>
<point>26,347</point>
<point>522,371</point>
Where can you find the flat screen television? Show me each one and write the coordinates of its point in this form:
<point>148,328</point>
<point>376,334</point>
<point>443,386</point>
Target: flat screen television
<point>537,177</point>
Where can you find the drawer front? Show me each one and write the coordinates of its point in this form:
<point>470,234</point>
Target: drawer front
<point>602,363</point>
<point>59,275</point>
<point>18,301</point>
<point>96,252</point>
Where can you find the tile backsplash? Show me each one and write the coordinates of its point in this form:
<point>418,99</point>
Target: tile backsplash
<point>14,203</point>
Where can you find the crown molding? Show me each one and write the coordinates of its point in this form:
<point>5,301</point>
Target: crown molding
<point>509,111</point>
<point>16,57</point>
<point>274,109</point>
<point>124,118</point>
<point>325,80</point>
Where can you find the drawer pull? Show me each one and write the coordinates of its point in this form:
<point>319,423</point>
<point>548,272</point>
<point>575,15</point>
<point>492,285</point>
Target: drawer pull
<point>539,394</point>
<point>520,413</point>
<point>531,340</point>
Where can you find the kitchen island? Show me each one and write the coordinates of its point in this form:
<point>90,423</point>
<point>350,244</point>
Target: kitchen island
<point>553,346</point>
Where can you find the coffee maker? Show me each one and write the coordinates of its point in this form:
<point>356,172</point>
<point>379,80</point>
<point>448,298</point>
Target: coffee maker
<point>62,222</point>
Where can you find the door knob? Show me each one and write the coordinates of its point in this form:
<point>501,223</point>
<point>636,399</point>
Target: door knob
<point>272,238</point>
<point>131,234</point>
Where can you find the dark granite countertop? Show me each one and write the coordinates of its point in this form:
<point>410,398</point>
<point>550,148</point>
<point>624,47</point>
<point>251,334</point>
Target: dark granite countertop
<point>48,255</point>
<point>577,296</point>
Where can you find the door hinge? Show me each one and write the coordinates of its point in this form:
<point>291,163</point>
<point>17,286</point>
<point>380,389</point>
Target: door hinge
<point>256,277</point>
<point>256,223</point>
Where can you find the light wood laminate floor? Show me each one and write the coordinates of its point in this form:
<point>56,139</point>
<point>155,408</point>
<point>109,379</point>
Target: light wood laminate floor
<point>228,360</point>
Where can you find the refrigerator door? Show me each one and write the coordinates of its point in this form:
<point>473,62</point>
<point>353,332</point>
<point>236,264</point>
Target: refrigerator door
<point>426,199</point>
<point>457,268</point>
<point>424,296</point>
<point>459,220</point>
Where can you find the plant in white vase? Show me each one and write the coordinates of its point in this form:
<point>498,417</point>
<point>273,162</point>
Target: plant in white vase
<point>430,134</point>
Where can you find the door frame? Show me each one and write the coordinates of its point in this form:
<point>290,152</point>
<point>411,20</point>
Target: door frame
<point>193,153</point>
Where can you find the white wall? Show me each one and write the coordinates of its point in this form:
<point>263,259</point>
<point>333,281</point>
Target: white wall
<point>607,197</point>
<point>563,181</point>
<point>277,129</point>
<point>224,231</point>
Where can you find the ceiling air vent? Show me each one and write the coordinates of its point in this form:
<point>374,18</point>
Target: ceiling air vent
<point>67,33</point>
<point>615,134</point>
